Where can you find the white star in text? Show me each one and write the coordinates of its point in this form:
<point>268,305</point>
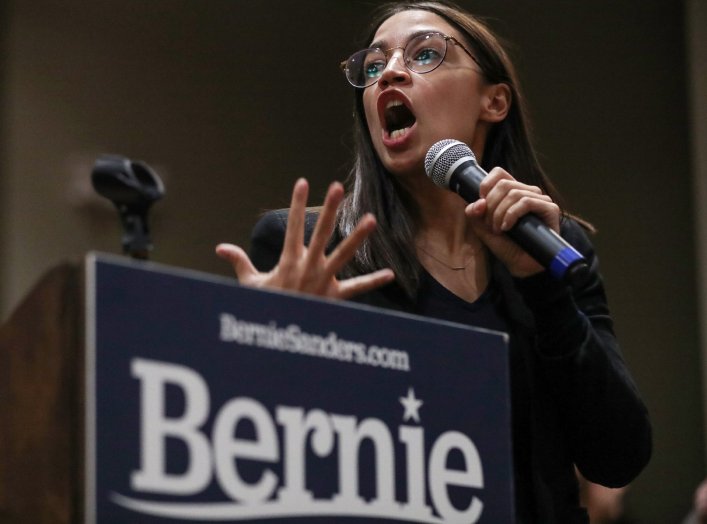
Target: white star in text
<point>411,405</point>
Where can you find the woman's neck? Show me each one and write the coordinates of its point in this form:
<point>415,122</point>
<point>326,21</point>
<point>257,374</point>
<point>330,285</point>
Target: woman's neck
<point>446,247</point>
<point>441,223</point>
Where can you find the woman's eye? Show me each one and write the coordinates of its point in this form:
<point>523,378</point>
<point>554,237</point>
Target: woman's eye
<point>374,69</point>
<point>426,56</point>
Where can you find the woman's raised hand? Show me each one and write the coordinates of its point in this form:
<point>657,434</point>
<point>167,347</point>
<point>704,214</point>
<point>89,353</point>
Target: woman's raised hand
<point>502,201</point>
<point>309,269</point>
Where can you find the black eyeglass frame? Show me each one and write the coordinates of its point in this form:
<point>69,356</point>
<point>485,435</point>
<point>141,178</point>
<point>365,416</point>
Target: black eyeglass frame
<point>344,65</point>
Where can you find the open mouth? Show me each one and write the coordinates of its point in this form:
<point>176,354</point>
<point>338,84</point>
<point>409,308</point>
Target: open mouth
<point>398,118</point>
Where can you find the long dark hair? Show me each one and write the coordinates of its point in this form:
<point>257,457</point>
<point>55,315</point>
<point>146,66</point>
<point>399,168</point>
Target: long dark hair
<point>371,188</point>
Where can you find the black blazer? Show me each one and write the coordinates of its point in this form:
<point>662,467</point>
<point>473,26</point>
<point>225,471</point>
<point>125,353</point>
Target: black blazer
<point>573,399</point>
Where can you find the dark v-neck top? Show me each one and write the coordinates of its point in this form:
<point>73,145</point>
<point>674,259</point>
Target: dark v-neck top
<point>435,300</point>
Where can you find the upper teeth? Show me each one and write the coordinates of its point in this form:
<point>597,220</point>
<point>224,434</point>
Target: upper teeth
<point>393,103</point>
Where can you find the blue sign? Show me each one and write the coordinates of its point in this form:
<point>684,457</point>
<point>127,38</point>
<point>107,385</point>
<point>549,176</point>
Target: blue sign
<point>211,402</point>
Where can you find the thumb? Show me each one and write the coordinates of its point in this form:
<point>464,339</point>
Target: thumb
<point>238,258</point>
<point>476,213</point>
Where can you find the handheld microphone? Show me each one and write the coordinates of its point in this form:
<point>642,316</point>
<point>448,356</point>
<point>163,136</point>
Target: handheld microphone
<point>452,165</point>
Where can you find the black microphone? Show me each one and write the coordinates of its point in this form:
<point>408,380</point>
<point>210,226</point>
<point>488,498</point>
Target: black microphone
<point>452,165</point>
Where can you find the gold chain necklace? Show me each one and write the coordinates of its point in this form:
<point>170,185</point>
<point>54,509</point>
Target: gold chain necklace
<point>453,268</point>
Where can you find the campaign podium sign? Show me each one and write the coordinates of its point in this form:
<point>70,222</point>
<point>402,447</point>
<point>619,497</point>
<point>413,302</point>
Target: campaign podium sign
<point>211,402</point>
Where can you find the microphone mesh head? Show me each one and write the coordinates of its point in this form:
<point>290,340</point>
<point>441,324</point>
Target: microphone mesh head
<point>441,156</point>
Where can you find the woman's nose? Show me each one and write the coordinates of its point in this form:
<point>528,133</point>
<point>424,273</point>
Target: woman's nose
<point>395,71</point>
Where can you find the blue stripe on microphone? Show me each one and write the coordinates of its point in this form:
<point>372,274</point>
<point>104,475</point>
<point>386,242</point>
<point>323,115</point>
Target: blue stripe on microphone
<point>563,260</point>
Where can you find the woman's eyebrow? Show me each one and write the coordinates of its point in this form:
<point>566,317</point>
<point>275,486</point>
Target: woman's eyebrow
<point>381,44</point>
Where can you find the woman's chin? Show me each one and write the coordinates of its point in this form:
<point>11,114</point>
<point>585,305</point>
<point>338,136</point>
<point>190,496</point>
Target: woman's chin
<point>406,170</point>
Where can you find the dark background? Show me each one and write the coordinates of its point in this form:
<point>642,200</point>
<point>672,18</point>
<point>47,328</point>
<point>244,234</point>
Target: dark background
<point>231,101</point>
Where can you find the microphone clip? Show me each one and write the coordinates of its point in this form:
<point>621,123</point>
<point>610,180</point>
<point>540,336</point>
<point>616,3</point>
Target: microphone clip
<point>132,187</point>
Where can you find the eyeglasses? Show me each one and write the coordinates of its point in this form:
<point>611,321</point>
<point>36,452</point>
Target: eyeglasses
<point>422,54</point>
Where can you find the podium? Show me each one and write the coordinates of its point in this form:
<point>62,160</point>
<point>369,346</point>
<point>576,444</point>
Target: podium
<point>136,392</point>
<point>42,403</point>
